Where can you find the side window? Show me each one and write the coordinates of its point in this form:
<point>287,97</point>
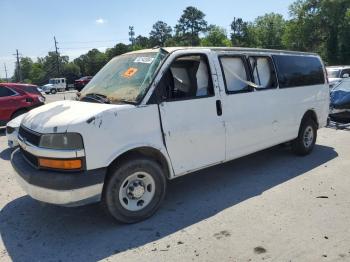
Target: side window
<point>263,72</point>
<point>4,92</point>
<point>299,70</point>
<point>188,77</point>
<point>235,74</point>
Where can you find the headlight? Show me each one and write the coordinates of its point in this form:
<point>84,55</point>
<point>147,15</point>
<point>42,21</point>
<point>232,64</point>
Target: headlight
<point>67,141</point>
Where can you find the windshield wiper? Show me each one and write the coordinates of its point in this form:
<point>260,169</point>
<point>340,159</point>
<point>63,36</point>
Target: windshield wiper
<point>124,101</point>
<point>94,97</point>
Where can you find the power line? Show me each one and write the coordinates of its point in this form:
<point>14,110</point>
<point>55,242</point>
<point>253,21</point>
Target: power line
<point>88,42</point>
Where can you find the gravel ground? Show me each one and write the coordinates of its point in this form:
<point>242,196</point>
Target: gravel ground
<point>270,206</point>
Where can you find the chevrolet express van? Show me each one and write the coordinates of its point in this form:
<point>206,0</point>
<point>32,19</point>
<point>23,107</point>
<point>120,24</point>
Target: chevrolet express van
<point>153,115</point>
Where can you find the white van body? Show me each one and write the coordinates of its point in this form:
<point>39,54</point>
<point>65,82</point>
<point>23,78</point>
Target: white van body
<point>185,135</point>
<point>55,85</point>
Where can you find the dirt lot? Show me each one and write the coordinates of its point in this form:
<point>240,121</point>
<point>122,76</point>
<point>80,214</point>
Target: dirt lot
<point>270,206</point>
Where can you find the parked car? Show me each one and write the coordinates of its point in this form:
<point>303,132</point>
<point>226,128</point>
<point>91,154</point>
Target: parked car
<point>337,74</point>
<point>55,85</point>
<point>16,99</point>
<point>82,82</point>
<point>340,102</point>
<point>12,129</point>
<point>159,114</point>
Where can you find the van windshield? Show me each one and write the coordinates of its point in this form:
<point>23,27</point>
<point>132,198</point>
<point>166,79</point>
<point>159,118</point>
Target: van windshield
<point>125,78</point>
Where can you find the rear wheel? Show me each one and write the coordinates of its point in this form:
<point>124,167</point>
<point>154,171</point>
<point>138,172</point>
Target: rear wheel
<point>134,190</point>
<point>53,91</point>
<point>305,142</point>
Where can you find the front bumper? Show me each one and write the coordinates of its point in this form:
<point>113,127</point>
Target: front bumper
<point>65,189</point>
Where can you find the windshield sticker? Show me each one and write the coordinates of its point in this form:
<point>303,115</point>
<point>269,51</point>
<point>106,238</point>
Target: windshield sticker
<point>144,60</point>
<point>130,72</point>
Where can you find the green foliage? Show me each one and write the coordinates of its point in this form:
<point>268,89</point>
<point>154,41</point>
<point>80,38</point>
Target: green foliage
<point>242,33</point>
<point>142,42</point>
<point>321,26</point>
<point>91,62</point>
<point>190,25</point>
<point>118,49</point>
<point>71,72</point>
<point>216,36</point>
<point>160,33</point>
<point>269,30</point>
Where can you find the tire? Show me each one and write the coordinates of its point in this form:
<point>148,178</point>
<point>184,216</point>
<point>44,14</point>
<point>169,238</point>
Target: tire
<point>53,91</point>
<point>305,142</point>
<point>134,191</point>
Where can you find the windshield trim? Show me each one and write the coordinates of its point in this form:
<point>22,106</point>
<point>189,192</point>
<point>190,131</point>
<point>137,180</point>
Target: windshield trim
<point>167,54</point>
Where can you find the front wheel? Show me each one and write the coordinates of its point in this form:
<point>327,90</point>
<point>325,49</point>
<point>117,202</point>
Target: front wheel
<point>134,190</point>
<point>53,91</point>
<point>305,142</point>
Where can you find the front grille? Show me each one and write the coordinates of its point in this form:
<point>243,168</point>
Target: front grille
<point>30,158</point>
<point>29,136</point>
<point>10,130</point>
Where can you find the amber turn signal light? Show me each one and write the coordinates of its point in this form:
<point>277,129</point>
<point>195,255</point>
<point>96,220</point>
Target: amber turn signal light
<point>60,163</point>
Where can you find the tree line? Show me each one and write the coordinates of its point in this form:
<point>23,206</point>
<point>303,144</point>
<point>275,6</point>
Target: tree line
<point>321,26</point>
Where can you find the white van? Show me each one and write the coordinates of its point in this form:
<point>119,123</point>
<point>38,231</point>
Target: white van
<point>55,85</point>
<point>153,115</point>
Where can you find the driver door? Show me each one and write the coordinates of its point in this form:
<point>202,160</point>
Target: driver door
<point>191,114</point>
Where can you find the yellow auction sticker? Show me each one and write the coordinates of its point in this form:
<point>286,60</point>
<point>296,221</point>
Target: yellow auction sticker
<point>130,72</point>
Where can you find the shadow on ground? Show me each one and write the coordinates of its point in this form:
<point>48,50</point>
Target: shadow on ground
<point>32,231</point>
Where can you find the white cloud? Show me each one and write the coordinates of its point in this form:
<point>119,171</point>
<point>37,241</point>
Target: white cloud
<point>100,21</point>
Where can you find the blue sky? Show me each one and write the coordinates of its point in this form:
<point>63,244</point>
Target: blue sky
<point>80,25</point>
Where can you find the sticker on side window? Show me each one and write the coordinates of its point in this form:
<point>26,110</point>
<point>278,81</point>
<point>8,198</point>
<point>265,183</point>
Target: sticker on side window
<point>130,72</point>
<point>144,60</point>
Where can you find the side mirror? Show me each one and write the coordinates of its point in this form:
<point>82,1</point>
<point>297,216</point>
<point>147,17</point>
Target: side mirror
<point>346,76</point>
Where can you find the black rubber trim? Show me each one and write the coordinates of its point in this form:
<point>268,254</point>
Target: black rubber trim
<point>53,179</point>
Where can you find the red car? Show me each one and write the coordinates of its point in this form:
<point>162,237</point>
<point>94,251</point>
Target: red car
<point>16,99</point>
<point>82,82</point>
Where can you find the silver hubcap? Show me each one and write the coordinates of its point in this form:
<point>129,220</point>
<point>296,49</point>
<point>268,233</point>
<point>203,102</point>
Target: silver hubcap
<point>308,136</point>
<point>137,191</point>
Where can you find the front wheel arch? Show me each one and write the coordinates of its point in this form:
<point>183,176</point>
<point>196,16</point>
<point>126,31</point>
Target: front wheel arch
<point>145,151</point>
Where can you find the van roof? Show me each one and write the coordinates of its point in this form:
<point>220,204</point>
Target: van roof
<point>225,49</point>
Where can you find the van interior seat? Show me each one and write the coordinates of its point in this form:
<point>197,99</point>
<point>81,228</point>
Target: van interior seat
<point>191,78</point>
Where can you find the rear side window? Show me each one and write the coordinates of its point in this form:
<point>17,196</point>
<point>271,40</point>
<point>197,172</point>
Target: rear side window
<point>294,71</point>
<point>263,72</point>
<point>32,90</point>
<point>235,74</point>
<point>4,91</point>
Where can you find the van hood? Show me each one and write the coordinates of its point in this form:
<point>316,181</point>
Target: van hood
<point>58,116</point>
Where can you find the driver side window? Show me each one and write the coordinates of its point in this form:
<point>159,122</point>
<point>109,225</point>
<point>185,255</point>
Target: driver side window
<point>188,77</point>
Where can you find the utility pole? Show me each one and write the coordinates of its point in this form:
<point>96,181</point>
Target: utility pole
<point>19,73</point>
<point>6,72</point>
<point>57,57</point>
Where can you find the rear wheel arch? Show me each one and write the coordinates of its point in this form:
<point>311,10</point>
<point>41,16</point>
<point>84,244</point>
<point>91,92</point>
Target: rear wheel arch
<point>310,114</point>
